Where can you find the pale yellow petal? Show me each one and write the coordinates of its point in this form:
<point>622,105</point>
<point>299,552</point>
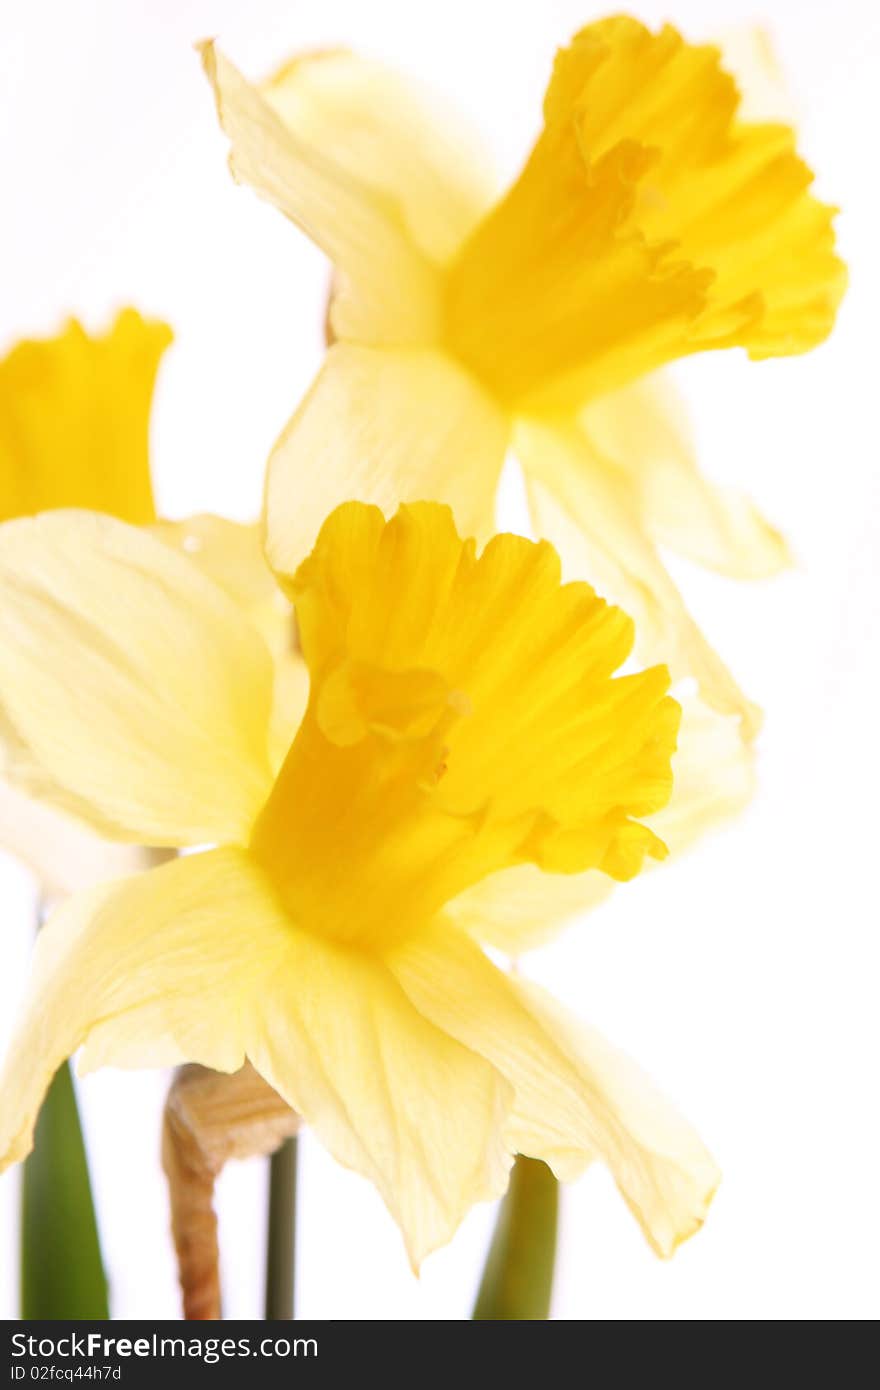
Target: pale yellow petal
<point>586,506</point>
<point>387,290</point>
<point>713,773</point>
<point>63,854</point>
<point>150,971</point>
<point>197,962</point>
<point>388,133</point>
<point>383,427</point>
<point>139,691</point>
<point>576,1096</point>
<point>520,908</point>
<point>642,430</point>
<point>74,420</point>
<point>231,554</point>
<point>388,1094</point>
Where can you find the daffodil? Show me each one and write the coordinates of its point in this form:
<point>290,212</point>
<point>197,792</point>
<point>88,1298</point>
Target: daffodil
<point>74,432</point>
<point>74,426</point>
<point>463,717</point>
<point>649,222</point>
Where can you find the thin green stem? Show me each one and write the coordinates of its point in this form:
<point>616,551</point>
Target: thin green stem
<point>61,1270</point>
<point>62,1273</point>
<point>281,1234</point>
<point>518,1278</point>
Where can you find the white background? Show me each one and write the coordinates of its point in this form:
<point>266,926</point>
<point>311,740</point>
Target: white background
<point>745,977</point>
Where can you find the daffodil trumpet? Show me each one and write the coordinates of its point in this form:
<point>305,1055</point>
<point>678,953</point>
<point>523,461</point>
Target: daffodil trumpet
<point>463,721</point>
<point>650,221</point>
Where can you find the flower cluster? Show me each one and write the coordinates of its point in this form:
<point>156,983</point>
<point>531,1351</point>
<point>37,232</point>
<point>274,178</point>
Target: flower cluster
<point>387,737</point>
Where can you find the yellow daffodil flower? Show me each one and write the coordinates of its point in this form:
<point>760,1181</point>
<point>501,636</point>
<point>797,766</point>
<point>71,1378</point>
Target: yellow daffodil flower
<point>74,432</point>
<point>463,717</point>
<point>74,424</point>
<point>649,222</point>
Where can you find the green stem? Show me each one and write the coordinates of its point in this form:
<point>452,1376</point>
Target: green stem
<point>62,1273</point>
<point>281,1234</point>
<point>518,1277</point>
